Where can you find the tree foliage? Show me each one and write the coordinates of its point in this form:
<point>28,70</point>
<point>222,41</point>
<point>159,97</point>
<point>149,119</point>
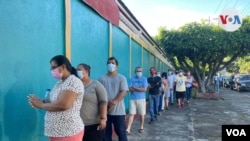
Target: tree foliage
<point>241,65</point>
<point>202,47</point>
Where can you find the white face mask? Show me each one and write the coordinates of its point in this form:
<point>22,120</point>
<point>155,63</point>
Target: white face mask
<point>180,73</point>
<point>80,75</point>
<point>111,67</point>
<point>138,74</point>
<point>158,74</point>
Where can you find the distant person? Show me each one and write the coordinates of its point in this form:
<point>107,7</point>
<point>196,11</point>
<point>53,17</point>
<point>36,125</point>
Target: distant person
<point>154,83</point>
<point>189,83</point>
<point>171,86</point>
<point>137,87</point>
<point>94,105</point>
<point>217,82</point>
<point>175,75</point>
<point>116,87</point>
<point>162,92</point>
<point>62,119</point>
<point>180,83</point>
<point>165,90</point>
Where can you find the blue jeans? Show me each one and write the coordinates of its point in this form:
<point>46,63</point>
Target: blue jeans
<point>216,87</point>
<point>188,92</point>
<point>160,102</point>
<point>119,125</point>
<point>153,105</point>
<point>171,98</point>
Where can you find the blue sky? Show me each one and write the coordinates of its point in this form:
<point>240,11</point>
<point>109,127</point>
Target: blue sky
<point>175,13</point>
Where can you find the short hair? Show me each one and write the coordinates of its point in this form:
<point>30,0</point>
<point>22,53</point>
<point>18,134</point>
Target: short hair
<point>86,67</point>
<point>138,68</point>
<point>152,68</point>
<point>112,58</point>
<point>164,74</point>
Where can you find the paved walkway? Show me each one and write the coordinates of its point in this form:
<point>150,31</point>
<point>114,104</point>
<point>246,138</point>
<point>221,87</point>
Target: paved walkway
<point>199,121</point>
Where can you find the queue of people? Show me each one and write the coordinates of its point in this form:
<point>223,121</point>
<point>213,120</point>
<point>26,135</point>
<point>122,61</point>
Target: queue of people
<point>82,109</point>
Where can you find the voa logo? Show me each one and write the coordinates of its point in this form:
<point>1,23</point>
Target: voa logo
<point>236,132</point>
<point>230,20</point>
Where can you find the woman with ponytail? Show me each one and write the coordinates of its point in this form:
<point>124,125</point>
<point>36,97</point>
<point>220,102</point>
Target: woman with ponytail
<point>62,119</point>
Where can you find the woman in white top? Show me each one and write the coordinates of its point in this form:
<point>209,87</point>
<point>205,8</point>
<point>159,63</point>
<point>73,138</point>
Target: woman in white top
<point>165,89</point>
<point>189,86</point>
<point>62,119</point>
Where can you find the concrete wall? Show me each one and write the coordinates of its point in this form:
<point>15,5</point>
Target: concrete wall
<point>31,33</point>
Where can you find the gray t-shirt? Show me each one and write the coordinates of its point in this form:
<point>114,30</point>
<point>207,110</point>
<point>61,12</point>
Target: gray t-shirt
<point>94,95</point>
<point>114,85</point>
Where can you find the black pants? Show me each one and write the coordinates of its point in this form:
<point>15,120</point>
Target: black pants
<point>92,134</point>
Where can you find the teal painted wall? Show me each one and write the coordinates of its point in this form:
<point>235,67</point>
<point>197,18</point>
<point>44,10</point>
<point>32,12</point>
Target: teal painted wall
<point>152,60</point>
<point>31,33</point>
<point>121,51</point>
<point>146,64</point>
<point>136,56</point>
<point>29,37</point>
<point>90,39</point>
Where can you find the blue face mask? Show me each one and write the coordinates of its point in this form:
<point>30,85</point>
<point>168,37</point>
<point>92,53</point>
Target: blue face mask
<point>80,75</point>
<point>111,67</point>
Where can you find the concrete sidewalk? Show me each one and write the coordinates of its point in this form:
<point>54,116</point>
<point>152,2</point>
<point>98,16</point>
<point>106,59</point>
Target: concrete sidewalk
<point>200,120</point>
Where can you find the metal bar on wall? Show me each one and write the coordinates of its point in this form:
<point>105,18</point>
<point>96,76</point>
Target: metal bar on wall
<point>68,29</point>
<point>142,56</point>
<point>130,56</point>
<point>110,40</point>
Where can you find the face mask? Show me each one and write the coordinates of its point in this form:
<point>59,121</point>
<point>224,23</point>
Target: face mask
<point>180,73</point>
<point>111,67</point>
<point>159,74</point>
<point>169,73</point>
<point>138,74</point>
<point>56,74</point>
<point>80,75</point>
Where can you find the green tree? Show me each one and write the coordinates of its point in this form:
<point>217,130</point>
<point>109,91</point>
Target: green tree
<point>204,49</point>
<point>241,65</point>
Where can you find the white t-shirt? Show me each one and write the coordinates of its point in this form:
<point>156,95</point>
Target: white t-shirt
<point>68,122</point>
<point>171,81</point>
<point>189,80</point>
<point>181,83</point>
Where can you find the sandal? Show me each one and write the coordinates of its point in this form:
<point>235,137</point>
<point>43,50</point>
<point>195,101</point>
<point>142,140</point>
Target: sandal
<point>127,132</point>
<point>141,130</point>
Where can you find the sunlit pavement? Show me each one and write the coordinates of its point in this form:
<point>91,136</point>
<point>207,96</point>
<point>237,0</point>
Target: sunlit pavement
<point>201,120</point>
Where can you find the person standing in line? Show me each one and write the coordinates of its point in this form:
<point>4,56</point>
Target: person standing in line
<point>180,83</point>
<point>171,87</point>
<point>154,83</point>
<point>62,118</point>
<point>217,82</point>
<point>162,92</point>
<point>166,90</point>
<point>190,81</point>
<point>138,86</point>
<point>116,87</point>
<point>175,75</point>
<point>94,105</point>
